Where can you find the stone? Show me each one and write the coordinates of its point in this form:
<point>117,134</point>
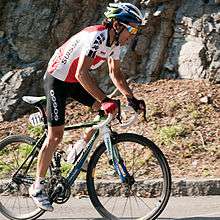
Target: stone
<point>2,33</point>
<point>1,117</point>
<point>190,64</point>
<point>14,85</point>
<point>180,187</point>
<point>7,76</point>
<point>142,45</point>
<point>205,99</point>
<point>201,28</point>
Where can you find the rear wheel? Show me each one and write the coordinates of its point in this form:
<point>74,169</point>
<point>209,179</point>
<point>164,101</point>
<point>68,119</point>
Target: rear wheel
<point>15,202</point>
<point>144,194</point>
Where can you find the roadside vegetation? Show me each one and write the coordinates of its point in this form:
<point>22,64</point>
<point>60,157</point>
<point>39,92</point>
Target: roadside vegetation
<point>183,118</point>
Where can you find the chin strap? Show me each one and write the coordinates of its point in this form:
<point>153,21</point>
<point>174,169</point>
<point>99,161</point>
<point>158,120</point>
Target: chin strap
<point>116,37</point>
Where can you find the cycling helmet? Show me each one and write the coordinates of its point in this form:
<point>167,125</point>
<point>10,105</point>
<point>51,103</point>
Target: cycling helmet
<point>124,12</point>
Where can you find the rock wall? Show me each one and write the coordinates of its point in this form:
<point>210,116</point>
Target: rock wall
<point>30,31</point>
<point>195,49</point>
<point>18,83</point>
<point>181,40</point>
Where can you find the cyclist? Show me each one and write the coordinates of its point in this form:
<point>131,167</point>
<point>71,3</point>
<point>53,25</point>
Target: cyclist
<point>68,75</point>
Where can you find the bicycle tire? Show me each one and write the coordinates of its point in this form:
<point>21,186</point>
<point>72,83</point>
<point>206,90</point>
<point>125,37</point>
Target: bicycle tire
<point>96,186</point>
<point>9,189</point>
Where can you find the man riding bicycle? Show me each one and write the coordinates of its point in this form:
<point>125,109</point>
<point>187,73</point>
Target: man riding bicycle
<point>68,75</point>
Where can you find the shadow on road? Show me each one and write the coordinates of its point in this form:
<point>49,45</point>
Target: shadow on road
<point>199,218</point>
<point>189,218</point>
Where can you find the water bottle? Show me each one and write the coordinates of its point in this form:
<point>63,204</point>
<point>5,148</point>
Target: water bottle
<point>75,151</point>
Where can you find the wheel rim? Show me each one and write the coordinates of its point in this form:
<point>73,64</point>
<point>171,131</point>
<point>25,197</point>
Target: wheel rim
<point>15,202</point>
<point>144,198</point>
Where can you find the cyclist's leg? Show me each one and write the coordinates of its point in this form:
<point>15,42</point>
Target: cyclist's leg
<point>78,93</point>
<point>54,137</point>
<point>56,98</point>
<point>37,191</point>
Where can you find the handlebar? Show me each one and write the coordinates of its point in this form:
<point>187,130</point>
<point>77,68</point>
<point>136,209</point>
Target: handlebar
<point>104,123</point>
<point>132,119</point>
<point>109,118</point>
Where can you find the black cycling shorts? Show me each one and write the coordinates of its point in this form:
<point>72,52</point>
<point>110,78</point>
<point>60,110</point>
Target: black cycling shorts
<point>57,92</point>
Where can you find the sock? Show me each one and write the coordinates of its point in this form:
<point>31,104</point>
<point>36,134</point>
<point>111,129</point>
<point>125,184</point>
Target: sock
<point>38,184</point>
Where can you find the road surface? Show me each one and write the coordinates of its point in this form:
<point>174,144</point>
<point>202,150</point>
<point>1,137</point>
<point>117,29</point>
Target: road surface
<point>182,208</point>
<point>178,208</point>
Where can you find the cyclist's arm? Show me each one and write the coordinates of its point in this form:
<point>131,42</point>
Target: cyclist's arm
<point>118,77</point>
<point>86,80</point>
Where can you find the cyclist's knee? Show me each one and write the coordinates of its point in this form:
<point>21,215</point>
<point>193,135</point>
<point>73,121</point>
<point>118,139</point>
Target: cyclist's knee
<point>55,136</point>
<point>54,140</point>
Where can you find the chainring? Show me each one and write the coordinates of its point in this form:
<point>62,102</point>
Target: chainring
<point>64,192</point>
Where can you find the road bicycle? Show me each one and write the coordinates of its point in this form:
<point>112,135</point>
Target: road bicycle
<point>128,176</point>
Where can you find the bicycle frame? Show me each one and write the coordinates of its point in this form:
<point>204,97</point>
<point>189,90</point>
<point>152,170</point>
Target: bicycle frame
<point>114,156</point>
<point>32,154</point>
<point>113,153</point>
<point>74,172</point>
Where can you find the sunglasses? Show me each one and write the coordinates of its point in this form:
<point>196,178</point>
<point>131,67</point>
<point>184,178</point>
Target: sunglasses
<point>131,30</point>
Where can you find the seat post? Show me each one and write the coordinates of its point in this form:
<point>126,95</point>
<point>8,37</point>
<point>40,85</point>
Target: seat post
<point>39,106</point>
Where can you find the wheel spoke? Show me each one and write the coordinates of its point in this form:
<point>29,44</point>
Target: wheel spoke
<point>130,207</point>
<point>137,202</point>
<point>19,206</point>
<point>2,163</point>
<point>124,207</point>
<point>130,200</point>
<point>112,197</point>
<point>113,208</point>
<point>15,201</point>
<point>13,206</point>
<point>16,158</point>
<point>133,160</point>
<point>142,201</point>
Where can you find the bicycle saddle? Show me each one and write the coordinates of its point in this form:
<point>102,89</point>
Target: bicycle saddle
<point>33,99</point>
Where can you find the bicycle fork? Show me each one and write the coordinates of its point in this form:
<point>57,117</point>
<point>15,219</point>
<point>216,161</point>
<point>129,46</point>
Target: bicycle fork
<point>114,156</point>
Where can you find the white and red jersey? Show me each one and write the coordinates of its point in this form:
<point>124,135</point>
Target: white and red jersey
<point>92,42</point>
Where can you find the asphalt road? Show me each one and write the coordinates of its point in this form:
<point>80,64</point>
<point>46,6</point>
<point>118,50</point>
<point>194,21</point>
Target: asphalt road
<point>182,208</point>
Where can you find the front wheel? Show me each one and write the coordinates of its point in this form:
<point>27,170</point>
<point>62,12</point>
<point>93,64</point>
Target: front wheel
<point>145,193</point>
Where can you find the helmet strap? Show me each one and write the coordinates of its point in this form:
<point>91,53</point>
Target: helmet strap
<point>117,36</point>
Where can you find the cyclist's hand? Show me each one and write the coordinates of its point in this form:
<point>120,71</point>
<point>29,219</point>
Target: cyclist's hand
<point>136,104</point>
<point>109,106</point>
